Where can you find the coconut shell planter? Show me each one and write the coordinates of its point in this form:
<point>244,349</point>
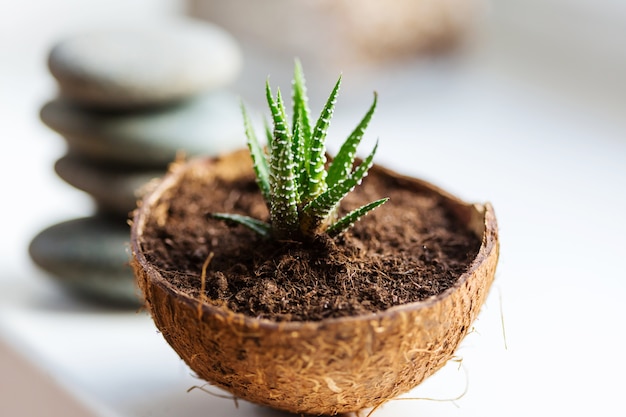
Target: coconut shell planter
<point>332,317</point>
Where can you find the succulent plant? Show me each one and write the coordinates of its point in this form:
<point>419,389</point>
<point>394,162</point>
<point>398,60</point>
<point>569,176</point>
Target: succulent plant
<point>301,189</point>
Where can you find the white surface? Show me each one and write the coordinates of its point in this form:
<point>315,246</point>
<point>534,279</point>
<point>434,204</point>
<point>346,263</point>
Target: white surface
<point>550,157</point>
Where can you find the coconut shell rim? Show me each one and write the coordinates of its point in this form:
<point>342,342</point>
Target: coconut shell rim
<point>489,244</point>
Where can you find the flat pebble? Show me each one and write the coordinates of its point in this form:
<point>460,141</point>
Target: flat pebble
<point>207,125</point>
<point>88,257</point>
<point>115,189</point>
<point>144,65</point>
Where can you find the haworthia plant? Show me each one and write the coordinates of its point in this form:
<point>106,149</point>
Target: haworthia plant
<point>301,190</point>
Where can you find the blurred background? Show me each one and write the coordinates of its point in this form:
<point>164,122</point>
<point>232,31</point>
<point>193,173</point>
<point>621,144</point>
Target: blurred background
<point>520,103</point>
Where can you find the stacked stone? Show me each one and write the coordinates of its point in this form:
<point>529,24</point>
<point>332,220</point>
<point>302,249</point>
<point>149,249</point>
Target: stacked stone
<point>130,101</point>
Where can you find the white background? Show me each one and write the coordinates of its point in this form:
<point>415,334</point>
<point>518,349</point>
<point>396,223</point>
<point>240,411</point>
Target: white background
<point>529,117</point>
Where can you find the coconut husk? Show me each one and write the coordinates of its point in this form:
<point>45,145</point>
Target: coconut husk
<point>331,366</point>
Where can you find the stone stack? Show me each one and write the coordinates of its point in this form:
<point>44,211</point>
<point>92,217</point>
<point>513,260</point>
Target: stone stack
<point>130,100</point>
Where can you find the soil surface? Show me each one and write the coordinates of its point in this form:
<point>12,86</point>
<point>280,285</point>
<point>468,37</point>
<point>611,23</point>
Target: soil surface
<point>407,250</point>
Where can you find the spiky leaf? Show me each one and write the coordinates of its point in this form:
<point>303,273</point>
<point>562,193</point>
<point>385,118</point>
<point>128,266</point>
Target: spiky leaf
<point>349,219</point>
<point>317,150</point>
<point>283,192</point>
<point>300,103</point>
<point>325,204</point>
<point>259,159</point>
<point>260,227</point>
<point>341,165</point>
<point>268,132</point>
<point>297,147</point>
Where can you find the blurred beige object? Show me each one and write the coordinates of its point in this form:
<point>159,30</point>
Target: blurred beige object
<point>344,30</point>
<point>404,27</point>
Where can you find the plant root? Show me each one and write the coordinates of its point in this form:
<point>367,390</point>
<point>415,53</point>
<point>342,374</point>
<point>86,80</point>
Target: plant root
<point>215,394</point>
<point>203,296</point>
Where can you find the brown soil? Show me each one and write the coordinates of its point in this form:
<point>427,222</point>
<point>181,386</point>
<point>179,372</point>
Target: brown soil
<point>409,249</point>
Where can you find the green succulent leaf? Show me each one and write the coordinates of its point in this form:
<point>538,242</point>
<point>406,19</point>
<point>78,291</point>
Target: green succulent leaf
<point>317,212</point>
<point>326,203</point>
<point>268,132</point>
<point>297,147</point>
<point>302,122</point>
<point>349,219</point>
<point>341,166</point>
<point>283,187</point>
<point>317,150</point>
<point>361,171</point>
<point>279,118</point>
<point>259,159</point>
<point>300,104</point>
<point>260,227</point>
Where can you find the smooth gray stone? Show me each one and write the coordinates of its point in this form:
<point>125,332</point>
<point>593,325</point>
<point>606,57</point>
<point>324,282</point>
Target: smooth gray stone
<point>115,189</point>
<point>207,125</point>
<point>88,257</point>
<point>145,65</point>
